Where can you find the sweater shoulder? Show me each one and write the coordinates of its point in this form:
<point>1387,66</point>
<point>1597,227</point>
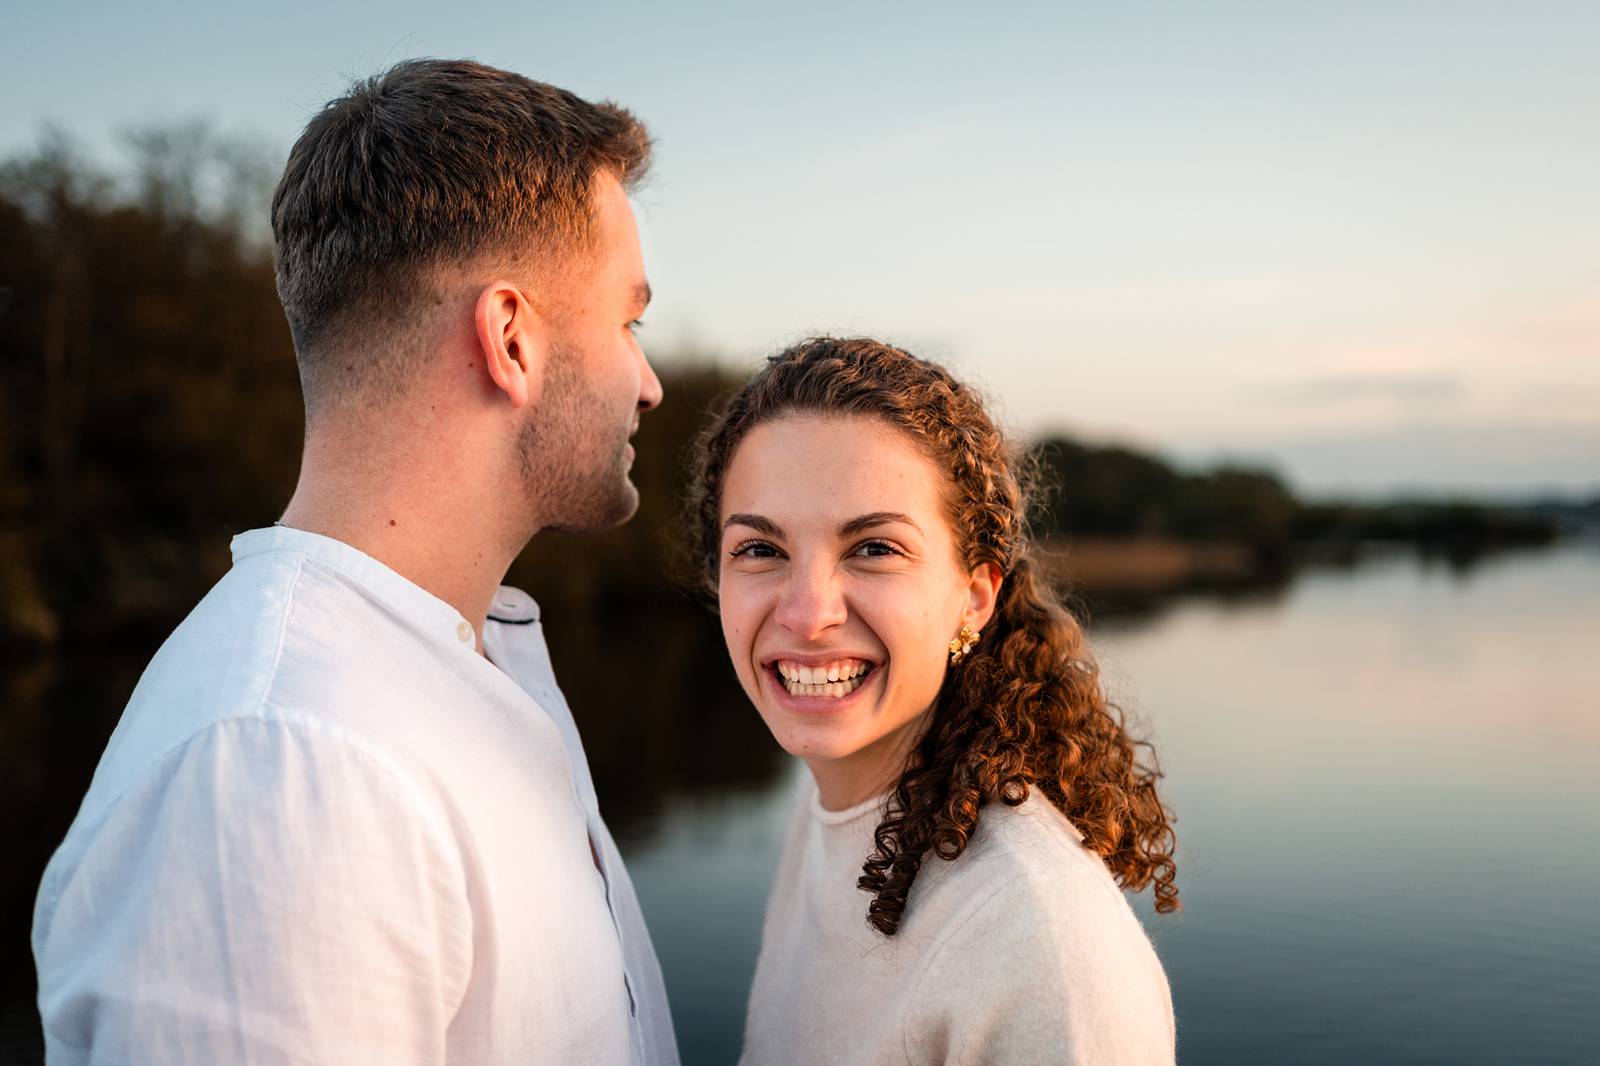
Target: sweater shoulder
<point>1033,952</point>
<point>1033,852</point>
<point>1026,879</point>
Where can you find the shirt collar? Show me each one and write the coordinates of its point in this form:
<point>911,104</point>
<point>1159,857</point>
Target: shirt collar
<point>407,600</point>
<point>513,607</point>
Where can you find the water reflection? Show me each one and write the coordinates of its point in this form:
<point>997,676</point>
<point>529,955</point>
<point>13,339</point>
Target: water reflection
<point>1384,775</point>
<point>1383,784</point>
<point>55,716</point>
<point>662,714</point>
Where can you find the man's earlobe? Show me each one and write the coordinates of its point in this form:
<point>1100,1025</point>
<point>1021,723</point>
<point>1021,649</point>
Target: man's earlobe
<point>510,342</point>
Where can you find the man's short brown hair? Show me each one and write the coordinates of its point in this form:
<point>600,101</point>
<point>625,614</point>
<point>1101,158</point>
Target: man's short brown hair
<point>433,162</point>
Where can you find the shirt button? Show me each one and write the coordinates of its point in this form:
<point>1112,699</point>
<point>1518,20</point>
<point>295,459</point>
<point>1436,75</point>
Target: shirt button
<point>464,631</point>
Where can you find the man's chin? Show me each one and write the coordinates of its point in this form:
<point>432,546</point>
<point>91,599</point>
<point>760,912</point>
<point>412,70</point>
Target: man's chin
<point>602,514</point>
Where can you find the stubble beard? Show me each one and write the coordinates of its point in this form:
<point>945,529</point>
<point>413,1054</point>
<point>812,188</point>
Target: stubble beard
<point>572,456</point>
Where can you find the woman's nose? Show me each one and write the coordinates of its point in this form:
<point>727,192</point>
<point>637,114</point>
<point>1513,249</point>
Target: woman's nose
<point>811,604</point>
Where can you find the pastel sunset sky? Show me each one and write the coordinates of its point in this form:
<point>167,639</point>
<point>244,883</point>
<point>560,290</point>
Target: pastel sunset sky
<point>1357,242</point>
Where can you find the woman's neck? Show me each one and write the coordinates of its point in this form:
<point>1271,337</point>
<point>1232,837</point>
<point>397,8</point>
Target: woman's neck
<point>871,771</point>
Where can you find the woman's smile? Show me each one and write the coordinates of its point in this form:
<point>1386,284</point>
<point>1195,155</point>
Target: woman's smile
<point>863,533</point>
<point>835,685</point>
<point>829,575</point>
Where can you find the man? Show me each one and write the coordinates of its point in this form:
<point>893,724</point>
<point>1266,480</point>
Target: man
<point>346,817</point>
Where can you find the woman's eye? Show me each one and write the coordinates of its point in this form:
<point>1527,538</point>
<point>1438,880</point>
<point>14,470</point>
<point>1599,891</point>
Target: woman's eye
<point>755,549</point>
<point>876,549</point>
<point>636,325</point>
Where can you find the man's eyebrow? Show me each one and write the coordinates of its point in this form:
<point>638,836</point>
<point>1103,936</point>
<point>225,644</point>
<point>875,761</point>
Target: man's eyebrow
<point>876,518</point>
<point>756,522</point>
<point>641,295</point>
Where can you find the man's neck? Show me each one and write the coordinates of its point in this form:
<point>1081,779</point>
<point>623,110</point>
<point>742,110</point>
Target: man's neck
<point>437,531</point>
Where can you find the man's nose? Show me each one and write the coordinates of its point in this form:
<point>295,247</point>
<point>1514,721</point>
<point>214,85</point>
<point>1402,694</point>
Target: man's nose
<point>812,603</point>
<point>649,386</point>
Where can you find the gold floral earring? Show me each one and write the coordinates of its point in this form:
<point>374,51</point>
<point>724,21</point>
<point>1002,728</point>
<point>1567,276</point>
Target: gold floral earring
<point>962,644</point>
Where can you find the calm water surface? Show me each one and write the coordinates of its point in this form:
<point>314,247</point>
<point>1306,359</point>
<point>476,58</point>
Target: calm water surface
<point>1385,777</point>
<point>1389,820</point>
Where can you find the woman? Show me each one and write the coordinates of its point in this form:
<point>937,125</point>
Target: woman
<point>949,886</point>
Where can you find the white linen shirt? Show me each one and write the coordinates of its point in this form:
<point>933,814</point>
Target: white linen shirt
<point>327,830</point>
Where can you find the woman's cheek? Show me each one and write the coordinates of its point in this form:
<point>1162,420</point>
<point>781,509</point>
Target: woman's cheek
<point>733,635</point>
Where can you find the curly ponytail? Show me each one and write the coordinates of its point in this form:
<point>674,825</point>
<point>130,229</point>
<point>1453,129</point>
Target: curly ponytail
<point>1025,708</point>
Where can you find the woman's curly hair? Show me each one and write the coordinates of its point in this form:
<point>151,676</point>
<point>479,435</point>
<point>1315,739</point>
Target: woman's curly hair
<point>1024,709</point>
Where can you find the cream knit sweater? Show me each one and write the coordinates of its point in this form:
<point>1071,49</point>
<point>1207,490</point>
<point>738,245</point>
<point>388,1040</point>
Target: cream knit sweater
<point>1023,950</point>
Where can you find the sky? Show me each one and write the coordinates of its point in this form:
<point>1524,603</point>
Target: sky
<point>1356,243</point>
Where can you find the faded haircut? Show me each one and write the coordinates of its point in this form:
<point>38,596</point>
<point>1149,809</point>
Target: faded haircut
<point>434,163</point>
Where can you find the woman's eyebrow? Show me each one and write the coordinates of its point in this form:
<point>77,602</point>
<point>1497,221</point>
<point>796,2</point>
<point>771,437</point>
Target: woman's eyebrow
<point>759,523</point>
<point>876,518</point>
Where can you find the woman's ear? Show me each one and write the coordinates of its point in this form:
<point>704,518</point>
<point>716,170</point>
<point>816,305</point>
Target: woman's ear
<point>983,591</point>
<point>511,342</point>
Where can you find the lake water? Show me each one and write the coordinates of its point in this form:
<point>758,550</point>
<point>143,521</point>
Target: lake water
<point>1387,782</point>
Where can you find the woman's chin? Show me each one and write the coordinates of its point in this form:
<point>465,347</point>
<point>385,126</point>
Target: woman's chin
<point>807,744</point>
<point>810,736</point>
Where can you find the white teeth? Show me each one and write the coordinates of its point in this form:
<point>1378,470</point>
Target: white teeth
<point>841,670</point>
<point>830,689</point>
<point>834,680</point>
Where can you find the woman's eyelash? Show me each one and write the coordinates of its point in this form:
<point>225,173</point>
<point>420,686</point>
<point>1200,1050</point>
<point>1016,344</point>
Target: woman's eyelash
<point>746,547</point>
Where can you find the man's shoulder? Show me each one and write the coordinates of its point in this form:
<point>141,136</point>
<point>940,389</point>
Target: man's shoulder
<point>273,640</point>
<point>218,663</point>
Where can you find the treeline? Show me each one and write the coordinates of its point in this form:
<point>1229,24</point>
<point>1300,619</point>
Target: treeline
<point>148,396</point>
<point>1121,493</point>
<point>149,408</point>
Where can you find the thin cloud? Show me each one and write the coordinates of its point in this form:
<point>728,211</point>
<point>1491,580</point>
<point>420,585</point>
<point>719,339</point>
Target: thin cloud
<point>1411,390</point>
<point>1490,457</point>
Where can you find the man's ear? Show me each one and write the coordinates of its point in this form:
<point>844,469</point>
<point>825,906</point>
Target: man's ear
<point>983,590</point>
<point>511,341</point>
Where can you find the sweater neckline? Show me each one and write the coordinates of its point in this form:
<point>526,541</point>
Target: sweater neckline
<point>825,817</point>
<point>875,805</point>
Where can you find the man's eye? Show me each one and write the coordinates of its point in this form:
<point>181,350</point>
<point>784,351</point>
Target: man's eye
<point>636,325</point>
<point>755,549</point>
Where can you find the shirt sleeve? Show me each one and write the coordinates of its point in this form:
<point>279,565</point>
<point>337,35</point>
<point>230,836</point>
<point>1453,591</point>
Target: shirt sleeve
<point>1044,974</point>
<point>268,893</point>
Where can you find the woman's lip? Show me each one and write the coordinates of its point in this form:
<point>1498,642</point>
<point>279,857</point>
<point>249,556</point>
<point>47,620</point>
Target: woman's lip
<point>815,704</point>
<point>818,660</point>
